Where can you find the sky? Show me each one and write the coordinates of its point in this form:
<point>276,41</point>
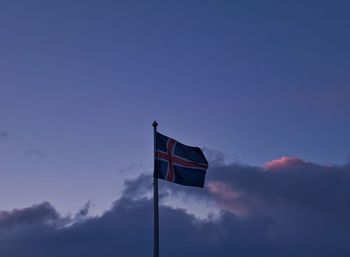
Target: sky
<point>261,86</point>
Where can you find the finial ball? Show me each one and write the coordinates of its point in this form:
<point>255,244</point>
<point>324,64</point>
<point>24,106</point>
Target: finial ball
<point>155,124</point>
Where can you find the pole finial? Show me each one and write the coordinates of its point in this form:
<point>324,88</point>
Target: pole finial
<point>154,124</point>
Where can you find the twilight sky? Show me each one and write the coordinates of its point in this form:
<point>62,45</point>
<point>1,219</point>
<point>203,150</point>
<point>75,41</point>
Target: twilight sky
<point>249,81</point>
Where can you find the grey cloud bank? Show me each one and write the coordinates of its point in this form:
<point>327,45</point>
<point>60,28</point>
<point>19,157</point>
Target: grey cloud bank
<point>289,208</point>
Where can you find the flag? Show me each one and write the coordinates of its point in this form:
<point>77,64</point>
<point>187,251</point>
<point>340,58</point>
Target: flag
<point>179,163</point>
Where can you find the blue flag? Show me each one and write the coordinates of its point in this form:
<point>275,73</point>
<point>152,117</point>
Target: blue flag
<point>179,163</point>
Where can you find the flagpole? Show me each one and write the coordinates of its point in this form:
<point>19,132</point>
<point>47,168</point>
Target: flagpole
<point>155,197</point>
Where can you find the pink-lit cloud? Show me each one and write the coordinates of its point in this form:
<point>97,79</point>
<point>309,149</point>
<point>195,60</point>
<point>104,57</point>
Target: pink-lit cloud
<point>223,190</point>
<point>225,196</point>
<point>284,162</point>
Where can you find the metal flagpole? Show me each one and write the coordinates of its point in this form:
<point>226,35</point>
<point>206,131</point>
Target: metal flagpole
<point>155,198</point>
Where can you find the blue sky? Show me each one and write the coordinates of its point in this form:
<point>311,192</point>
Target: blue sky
<point>82,81</point>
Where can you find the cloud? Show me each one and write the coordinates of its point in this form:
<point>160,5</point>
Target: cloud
<point>3,134</point>
<point>300,210</point>
<point>43,213</point>
<point>284,162</point>
<point>83,212</point>
<point>298,185</point>
<point>34,154</point>
<point>225,196</point>
<point>126,230</point>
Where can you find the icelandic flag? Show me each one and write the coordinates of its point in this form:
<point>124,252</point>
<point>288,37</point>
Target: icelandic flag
<point>179,163</point>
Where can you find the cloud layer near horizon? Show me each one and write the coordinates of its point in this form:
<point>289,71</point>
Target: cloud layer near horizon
<point>288,208</point>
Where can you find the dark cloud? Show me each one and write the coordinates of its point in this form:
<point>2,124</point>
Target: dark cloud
<point>293,208</point>
<point>3,134</point>
<point>83,212</point>
<point>34,154</point>
<point>138,187</point>
<point>292,184</point>
<point>43,213</point>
